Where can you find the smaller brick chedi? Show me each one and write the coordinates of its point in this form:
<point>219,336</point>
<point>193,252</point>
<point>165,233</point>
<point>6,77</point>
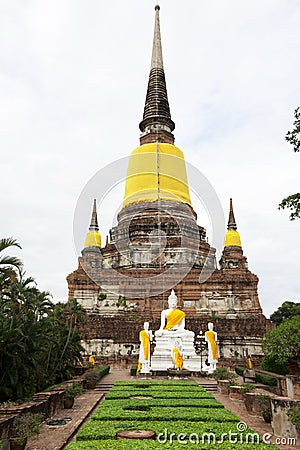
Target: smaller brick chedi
<point>157,245</point>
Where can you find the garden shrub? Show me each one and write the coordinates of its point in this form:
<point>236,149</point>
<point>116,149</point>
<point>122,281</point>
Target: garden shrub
<point>222,373</point>
<point>266,379</point>
<point>166,413</point>
<point>239,370</point>
<point>246,387</point>
<point>274,366</point>
<point>138,383</point>
<point>102,371</point>
<point>172,402</point>
<point>120,394</point>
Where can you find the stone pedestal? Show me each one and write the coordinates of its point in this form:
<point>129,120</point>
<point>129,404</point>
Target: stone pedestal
<point>161,359</point>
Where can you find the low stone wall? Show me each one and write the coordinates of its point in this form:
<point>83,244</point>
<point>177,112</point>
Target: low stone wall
<point>236,394</point>
<point>281,423</point>
<point>223,386</point>
<point>47,403</point>
<point>287,385</point>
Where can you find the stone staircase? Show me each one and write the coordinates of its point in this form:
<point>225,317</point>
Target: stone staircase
<point>103,387</point>
<point>210,387</point>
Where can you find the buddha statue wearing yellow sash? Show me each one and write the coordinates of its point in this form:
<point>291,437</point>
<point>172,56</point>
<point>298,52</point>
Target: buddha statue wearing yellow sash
<point>172,319</point>
<point>144,354</point>
<point>213,354</point>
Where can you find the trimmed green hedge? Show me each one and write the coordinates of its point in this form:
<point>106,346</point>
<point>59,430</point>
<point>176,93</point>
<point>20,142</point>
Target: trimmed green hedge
<point>158,387</point>
<point>266,379</point>
<point>172,402</point>
<point>260,377</point>
<point>239,370</point>
<point>118,394</point>
<point>102,371</point>
<point>167,413</point>
<point>139,383</point>
<point>133,444</point>
<point>98,430</point>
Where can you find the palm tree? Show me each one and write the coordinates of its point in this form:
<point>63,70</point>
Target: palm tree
<point>9,263</point>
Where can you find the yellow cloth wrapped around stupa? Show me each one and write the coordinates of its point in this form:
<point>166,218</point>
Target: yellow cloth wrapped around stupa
<point>142,180</point>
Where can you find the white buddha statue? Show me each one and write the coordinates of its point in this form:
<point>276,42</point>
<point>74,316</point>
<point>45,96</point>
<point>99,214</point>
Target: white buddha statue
<point>145,337</point>
<point>174,345</point>
<point>172,319</point>
<point>211,338</point>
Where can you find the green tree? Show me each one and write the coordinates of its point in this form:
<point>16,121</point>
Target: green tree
<point>9,263</point>
<point>292,202</point>
<point>282,344</point>
<point>286,311</point>
<point>39,340</point>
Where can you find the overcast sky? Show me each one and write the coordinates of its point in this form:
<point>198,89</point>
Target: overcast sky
<point>73,78</point>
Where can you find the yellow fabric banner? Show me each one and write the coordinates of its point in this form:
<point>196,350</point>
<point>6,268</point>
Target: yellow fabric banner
<point>177,358</point>
<point>174,318</point>
<point>211,338</point>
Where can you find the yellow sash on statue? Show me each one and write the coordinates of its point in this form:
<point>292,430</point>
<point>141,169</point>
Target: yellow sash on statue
<point>139,366</point>
<point>211,338</point>
<point>177,358</point>
<point>174,318</point>
<point>146,343</point>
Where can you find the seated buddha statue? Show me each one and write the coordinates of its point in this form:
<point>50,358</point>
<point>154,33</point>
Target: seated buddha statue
<point>172,319</point>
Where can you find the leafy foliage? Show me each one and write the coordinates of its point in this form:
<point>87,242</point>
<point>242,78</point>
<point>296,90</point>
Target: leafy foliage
<point>294,415</point>
<point>285,311</point>
<point>246,387</point>
<point>73,390</point>
<point>274,366</point>
<point>239,370</point>
<point>27,425</point>
<point>39,340</point>
<point>292,202</point>
<point>114,412</point>
<point>221,373</point>
<point>170,403</point>
<point>293,137</point>
<point>282,344</point>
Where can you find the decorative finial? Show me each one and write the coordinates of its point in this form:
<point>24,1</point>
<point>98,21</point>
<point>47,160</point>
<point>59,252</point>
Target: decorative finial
<point>231,220</point>
<point>157,114</point>
<point>94,221</point>
<point>232,237</point>
<point>93,238</point>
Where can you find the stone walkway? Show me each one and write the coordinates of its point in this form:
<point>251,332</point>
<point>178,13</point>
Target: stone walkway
<point>58,437</point>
